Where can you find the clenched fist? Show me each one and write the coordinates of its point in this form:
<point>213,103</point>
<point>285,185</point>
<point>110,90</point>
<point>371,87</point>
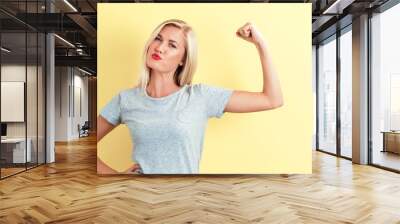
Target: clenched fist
<point>250,33</point>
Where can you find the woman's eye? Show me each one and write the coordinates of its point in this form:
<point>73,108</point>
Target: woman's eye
<point>171,45</point>
<point>157,38</point>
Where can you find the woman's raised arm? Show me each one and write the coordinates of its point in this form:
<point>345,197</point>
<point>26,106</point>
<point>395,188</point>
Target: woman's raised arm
<point>271,95</point>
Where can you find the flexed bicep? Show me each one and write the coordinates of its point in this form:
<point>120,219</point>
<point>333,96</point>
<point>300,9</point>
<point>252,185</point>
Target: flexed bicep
<point>244,101</point>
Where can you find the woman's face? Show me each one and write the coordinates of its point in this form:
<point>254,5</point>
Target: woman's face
<point>167,50</point>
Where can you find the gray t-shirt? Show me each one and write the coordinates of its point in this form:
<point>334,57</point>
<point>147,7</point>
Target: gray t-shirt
<point>167,132</point>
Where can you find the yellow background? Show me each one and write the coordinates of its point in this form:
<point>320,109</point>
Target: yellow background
<point>276,141</point>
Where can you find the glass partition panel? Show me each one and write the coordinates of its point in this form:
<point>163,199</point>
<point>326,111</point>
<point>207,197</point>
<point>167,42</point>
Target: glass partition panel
<point>346,94</point>
<point>14,153</point>
<point>41,98</point>
<point>385,114</point>
<point>327,96</point>
<point>31,98</point>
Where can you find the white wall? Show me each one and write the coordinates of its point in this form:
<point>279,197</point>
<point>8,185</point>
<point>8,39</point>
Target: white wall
<point>71,93</point>
<point>81,84</point>
<point>12,73</point>
<point>61,103</point>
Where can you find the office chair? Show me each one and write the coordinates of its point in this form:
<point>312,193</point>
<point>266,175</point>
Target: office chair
<point>84,130</point>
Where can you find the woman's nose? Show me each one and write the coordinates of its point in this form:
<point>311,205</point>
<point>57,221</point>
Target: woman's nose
<point>160,48</point>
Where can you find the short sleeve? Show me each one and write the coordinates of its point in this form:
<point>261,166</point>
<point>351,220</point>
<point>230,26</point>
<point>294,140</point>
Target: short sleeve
<point>216,99</point>
<point>112,110</point>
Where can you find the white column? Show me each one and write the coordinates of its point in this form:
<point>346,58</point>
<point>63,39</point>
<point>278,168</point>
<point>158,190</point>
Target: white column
<point>50,109</point>
<point>50,93</point>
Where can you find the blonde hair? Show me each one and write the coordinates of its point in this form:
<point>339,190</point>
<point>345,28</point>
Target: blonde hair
<point>183,74</point>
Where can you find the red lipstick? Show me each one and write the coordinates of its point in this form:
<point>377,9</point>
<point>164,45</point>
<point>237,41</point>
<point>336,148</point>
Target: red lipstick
<point>156,57</point>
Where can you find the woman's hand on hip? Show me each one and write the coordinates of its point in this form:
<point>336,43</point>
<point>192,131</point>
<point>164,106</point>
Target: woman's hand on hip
<point>134,169</point>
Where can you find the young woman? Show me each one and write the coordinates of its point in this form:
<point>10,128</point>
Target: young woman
<point>166,114</point>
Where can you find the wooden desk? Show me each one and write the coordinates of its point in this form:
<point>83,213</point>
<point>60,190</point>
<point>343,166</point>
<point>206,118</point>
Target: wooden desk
<point>16,147</point>
<point>391,141</point>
